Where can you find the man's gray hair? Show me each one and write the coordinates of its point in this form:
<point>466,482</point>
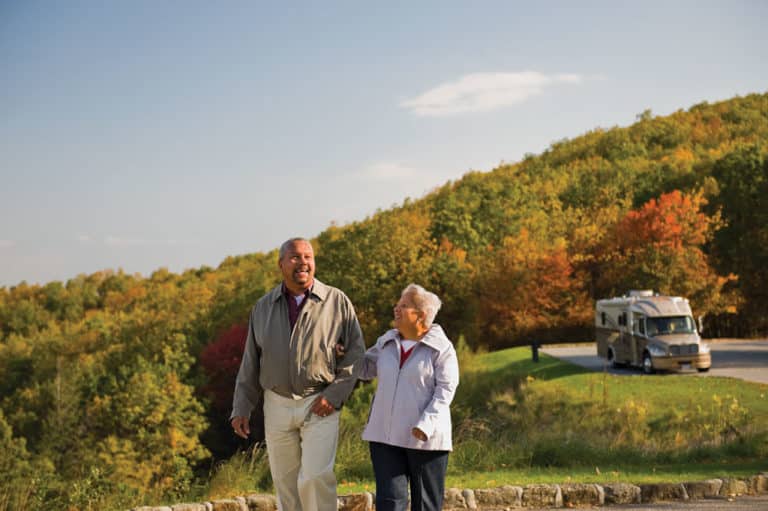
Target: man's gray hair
<point>425,301</point>
<point>287,244</point>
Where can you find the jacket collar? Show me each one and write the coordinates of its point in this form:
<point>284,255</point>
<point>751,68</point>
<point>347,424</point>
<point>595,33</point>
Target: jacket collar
<point>318,290</point>
<point>435,338</point>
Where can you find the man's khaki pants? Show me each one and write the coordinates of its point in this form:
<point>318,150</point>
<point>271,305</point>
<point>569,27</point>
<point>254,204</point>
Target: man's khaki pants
<point>302,450</point>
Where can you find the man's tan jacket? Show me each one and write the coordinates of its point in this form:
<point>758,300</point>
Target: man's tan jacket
<point>301,362</point>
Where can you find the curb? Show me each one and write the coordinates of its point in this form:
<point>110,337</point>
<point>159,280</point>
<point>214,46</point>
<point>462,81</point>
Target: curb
<point>528,496</point>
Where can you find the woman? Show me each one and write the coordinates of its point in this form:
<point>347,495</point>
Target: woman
<point>409,426</point>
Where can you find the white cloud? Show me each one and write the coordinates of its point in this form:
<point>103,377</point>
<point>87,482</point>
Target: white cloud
<point>7,243</point>
<point>481,92</point>
<point>84,238</point>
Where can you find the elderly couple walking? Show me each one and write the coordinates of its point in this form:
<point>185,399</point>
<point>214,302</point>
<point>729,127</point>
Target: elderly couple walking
<point>303,355</point>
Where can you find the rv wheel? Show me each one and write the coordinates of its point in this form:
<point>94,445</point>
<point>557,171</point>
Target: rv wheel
<point>647,363</point>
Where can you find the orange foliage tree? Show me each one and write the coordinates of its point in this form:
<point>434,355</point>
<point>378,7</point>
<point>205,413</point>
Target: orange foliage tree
<point>525,290</point>
<point>660,246</point>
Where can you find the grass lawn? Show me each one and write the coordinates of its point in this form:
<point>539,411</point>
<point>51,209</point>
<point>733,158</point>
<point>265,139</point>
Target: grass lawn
<point>656,402</point>
<point>662,392</point>
<point>675,473</point>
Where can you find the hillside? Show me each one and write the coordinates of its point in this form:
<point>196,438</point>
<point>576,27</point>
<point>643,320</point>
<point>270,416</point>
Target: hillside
<point>121,383</point>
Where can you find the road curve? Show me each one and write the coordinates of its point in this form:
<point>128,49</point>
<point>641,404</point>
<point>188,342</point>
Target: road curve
<point>746,359</point>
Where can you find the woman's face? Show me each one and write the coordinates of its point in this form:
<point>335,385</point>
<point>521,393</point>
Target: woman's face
<point>407,317</point>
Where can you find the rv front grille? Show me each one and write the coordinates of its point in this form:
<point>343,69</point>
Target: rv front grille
<point>684,349</point>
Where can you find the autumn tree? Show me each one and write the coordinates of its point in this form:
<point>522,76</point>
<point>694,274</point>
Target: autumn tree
<point>372,261</point>
<point>525,289</point>
<point>660,246</point>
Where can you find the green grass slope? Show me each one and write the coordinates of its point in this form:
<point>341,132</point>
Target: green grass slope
<point>520,422</point>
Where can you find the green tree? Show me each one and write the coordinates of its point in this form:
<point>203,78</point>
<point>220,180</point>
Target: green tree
<point>742,244</point>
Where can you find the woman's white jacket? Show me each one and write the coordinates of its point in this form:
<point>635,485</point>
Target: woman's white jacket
<point>418,395</point>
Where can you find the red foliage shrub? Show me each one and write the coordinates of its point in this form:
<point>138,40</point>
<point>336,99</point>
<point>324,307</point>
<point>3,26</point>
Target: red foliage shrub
<point>221,361</point>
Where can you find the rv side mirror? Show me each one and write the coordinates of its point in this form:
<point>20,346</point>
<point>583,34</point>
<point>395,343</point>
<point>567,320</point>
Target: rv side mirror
<point>701,324</point>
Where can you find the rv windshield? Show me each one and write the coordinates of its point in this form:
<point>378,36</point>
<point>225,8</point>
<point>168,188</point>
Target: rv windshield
<point>669,325</point>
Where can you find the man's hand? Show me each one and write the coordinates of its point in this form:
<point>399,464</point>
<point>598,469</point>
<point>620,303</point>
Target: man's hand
<point>241,426</point>
<point>419,434</point>
<point>322,407</point>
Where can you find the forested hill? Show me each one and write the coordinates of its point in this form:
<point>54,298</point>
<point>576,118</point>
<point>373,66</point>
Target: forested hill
<point>124,381</point>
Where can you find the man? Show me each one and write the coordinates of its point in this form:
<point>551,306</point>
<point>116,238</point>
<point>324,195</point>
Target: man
<point>303,343</point>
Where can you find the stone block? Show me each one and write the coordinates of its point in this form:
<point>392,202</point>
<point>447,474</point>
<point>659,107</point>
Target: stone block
<point>356,502</point>
<point>662,492</point>
<point>733,487</point>
<point>505,496</point>
<point>757,485</point>
<point>469,497</point>
<point>542,495</point>
<point>582,494</point>
<point>261,502</point>
<point>227,505</point>
<point>189,507</point>
<point>703,489</point>
<point>453,498</point>
<point>621,493</point>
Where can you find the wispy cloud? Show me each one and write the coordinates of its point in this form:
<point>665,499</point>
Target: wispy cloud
<point>481,92</point>
<point>7,243</point>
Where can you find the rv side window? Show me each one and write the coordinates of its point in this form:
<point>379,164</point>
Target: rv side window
<point>623,318</point>
<point>602,317</point>
<point>639,325</point>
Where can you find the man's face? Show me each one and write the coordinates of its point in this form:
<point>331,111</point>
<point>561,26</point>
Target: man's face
<point>298,266</point>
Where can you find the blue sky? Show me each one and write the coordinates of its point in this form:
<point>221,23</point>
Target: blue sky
<point>147,134</point>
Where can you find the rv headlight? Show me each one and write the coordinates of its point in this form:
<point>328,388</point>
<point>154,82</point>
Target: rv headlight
<point>656,351</point>
<point>703,347</point>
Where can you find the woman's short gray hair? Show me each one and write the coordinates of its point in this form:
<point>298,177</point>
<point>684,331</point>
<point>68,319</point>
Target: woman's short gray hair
<point>425,301</point>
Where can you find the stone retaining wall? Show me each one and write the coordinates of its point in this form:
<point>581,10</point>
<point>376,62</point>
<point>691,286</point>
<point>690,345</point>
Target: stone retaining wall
<point>529,496</point>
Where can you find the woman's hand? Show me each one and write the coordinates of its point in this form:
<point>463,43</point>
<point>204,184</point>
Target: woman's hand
<point>419,434</point>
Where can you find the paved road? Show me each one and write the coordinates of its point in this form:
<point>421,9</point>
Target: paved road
<point>738,504</point>
<point>744,359</point>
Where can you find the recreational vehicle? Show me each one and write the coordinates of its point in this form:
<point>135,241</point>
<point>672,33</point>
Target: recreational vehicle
<point>650,331</point>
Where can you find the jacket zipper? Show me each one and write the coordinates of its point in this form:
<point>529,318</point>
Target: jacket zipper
<point>394,394</point>
<point>397,385</point>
